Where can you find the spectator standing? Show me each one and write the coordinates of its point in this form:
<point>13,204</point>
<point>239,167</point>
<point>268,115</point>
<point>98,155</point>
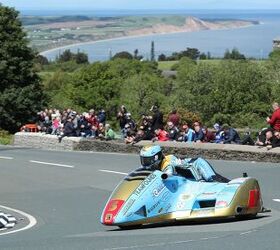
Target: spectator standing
<point>174,118</point>
<point>231,135</point>
<point>157,118</point>
<point>121,116</point>
<point>274,120</point>
<point>101,117</point>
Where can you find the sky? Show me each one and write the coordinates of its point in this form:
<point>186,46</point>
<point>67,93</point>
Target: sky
<point>139,4</point>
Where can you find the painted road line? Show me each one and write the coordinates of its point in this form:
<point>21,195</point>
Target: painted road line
<point>277,200</point>
<point>32,221</point>
<point>52,164</point>
<point>114,172</point>
<point>6,158</point>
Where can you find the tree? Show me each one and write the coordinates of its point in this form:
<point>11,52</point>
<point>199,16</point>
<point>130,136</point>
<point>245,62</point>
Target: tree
<point>81,58</point>
<point>66,56</point>
<point>21,95</point>
<point>152,51</point>
<point>234,55</point>
<point>123,55</point>
<point>162,57</point>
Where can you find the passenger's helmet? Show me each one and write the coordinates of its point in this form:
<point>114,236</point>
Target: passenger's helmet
<point>151,157</point>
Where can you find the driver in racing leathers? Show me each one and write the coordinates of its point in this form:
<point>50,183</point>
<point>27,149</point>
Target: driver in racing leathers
<point>153,158</point>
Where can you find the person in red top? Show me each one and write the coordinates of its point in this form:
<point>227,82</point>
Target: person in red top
<point>174,117</point>
<point>160,135</point>
<point>274,120</point>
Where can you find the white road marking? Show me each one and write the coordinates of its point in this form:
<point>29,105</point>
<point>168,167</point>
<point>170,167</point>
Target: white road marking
<point>52,164</point>
<point>6,158</point>
<point>114,172</point>
<point>32,220</point>
<point>246,232</point>
<point>277,200</point>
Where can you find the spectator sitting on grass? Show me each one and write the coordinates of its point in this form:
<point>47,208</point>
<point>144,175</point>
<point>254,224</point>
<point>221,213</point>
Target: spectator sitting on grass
<point>231,135</point>
<point>84,125</point>
<point>265,137</point>
<point>129,134</point>
<point>101,131</point>
<point>219,133</point>
<point>198,135</point>
<point>209,136</point>
<point>68,129</point>
<point>109,133</point>
<point>173,131</point>
<point>160,135</point>
<point>276,140</point>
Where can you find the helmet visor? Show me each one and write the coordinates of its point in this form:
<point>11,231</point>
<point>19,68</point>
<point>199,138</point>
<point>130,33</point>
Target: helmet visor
<point>147,161</point>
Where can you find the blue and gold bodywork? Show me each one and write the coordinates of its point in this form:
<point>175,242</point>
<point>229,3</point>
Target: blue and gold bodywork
<point>145,197</point>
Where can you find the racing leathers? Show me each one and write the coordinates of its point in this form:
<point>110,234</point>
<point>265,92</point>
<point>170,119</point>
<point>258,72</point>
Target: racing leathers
<point>202,169</point>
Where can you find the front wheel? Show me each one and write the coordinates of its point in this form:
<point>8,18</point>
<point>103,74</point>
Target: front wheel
<point>130,227</point>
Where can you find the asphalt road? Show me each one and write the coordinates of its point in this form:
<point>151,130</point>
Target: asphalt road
<point>65,193</point>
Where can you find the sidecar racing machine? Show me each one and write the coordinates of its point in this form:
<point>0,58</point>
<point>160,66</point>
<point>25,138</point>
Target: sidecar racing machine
<point>146,197</point>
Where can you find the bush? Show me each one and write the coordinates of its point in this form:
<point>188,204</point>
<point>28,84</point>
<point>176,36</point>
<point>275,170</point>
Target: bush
<point>5,137</point>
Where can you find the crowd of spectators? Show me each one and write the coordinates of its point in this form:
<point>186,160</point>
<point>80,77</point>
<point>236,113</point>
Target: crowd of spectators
<point>151,126</point>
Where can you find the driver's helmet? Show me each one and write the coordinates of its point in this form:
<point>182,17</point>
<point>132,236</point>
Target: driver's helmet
<point>151,157</point>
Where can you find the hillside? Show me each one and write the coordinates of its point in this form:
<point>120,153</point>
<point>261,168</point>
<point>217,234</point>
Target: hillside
<point>52,32</point>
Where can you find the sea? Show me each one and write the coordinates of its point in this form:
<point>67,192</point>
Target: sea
<point>255,41</point>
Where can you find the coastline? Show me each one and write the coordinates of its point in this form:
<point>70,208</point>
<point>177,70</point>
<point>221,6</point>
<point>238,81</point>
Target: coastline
<point>136,36</point>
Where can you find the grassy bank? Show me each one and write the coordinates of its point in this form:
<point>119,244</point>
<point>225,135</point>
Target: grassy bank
<point>5,138</point>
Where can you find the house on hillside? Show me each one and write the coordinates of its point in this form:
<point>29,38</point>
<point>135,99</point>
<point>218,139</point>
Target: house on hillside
<point>276,43</point>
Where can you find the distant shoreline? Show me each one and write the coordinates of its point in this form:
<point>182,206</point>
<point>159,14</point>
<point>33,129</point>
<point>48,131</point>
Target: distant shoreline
<point>134,36</point>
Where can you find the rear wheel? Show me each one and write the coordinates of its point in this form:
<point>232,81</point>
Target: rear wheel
<point>245,216</point>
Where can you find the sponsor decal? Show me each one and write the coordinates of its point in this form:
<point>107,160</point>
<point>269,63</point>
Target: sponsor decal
<point>165,196</point>
<point>144,184</point>
<point>128,205</point>
<point>158,190</point>
<point>160,210</point>
<point>180,205</point>
<point>185,197</point>
<point>209,193</point>
<point>153,207</point>
<point>167,207</point>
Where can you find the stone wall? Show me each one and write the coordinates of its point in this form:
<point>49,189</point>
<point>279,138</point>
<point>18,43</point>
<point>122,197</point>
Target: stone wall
<point>206,150</point>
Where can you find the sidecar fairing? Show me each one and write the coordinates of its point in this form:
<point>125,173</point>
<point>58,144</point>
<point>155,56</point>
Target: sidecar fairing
<point>145,197</point>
